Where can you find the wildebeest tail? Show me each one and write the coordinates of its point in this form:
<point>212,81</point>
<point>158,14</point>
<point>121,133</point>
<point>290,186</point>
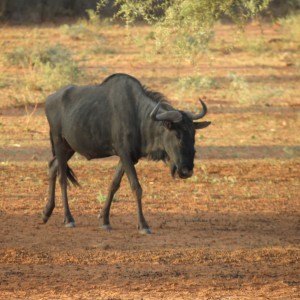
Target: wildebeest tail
<point>70,173</point>
<point>71,176</point>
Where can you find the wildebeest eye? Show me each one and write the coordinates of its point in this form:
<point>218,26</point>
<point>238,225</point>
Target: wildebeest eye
<point>168,125</point>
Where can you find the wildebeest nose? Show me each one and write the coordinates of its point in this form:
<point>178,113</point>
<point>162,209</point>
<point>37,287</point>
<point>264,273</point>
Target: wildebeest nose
<point>186,172</point>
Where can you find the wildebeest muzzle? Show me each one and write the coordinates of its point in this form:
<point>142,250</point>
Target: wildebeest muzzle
<point>183,172</point>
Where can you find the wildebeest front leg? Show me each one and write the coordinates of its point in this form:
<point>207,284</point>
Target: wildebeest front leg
<point>137,190</point>
<point>53,165</point>
<point>112,190</point>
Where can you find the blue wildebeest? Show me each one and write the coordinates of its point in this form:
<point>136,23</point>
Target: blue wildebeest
<point>118,117</point>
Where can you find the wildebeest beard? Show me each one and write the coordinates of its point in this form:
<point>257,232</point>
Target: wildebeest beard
<point>173,169</point>
<point>162,155</point>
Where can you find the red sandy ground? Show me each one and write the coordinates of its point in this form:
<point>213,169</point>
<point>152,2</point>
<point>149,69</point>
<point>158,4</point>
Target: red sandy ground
<point>230,232</point>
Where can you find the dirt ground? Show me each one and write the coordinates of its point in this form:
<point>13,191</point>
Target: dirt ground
<point>232,231</point>
<point>212,238</point>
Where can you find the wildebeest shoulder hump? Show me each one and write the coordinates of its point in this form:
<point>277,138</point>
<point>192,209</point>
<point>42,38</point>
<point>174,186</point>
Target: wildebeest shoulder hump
<point>66,94</point>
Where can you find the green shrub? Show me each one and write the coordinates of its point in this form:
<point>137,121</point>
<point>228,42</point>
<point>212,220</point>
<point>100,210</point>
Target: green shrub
<point>48,68</point>
<point>291,25</point>
<point>18,57</point>
<point>185,27</point>
<point>76,31</point>
<point>3,81</point>
<point>54,67</point>
<point>54,56</point>
<point>240,90</point>
<point>50,78</point>
<point>197,82</point>
<point>237,83</point>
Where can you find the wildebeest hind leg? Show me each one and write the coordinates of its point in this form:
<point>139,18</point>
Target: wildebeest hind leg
<point>58,165</point>
<point>112,190</point>
<point>63,154</point>
<point>53,165</point>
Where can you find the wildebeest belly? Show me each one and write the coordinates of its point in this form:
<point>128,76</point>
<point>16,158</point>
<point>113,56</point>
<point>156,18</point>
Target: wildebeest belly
<point>90,146</point>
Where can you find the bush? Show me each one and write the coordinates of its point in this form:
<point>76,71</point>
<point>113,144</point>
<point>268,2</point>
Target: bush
<point>185,27</point>
<point>76,31</point>
<point>195,83</point>
<point>54,56</point>
<point>20,57</point>
<point>48,69</point>
<point>55,67</point>
<point>49,78</point>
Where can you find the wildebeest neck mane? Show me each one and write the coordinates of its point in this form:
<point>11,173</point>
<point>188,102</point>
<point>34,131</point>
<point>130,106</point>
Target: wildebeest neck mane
<point>157,97</point>
<point>153,95</point>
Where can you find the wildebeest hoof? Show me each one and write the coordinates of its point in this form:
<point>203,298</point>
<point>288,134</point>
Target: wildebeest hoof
<point>44,218</point>
<point>70,225</point>
<point>106,227</point>
<point>144,231</point>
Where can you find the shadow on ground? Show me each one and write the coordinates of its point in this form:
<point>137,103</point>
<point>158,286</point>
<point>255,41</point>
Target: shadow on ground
<point>206,152</point>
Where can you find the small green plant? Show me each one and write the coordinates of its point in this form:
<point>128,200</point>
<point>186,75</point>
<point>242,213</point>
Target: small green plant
<point>76,31</point>
<point>3,82</point>
<point>197,83</point>
<point>205,173</point>
<point>194,84</point>
<point>289,151</point>
<point>103,50</point>
<point>19,57</point>
<point>54,56</point>
<point>101,198</point>
<point>231,180</point>
<point>47,68</point>
<point>248,194</point>
<point>93,16</point>
<point>50,78</point>
<point>194,178</point>
<point>214,180</point>
<point>291,25</point>
<point>237,82</point>
<point>51,68</point>
<point>238,88</point>
<point>257,45</point>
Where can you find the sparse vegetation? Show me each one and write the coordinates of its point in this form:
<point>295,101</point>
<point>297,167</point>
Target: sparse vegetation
<point>291,25</point>
<point>185,27</point>
<point>236,220</point>
<point>40,55</point>
<point>3,81</point>
<point>196,83</point>
<point>76,31</point>
<point>19,57</point>
<point>45,69</point>
<point>101,198</point>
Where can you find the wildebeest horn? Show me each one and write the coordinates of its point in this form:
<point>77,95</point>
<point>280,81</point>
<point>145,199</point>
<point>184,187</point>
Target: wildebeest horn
<point>200,115</point>
<point>172,115</point>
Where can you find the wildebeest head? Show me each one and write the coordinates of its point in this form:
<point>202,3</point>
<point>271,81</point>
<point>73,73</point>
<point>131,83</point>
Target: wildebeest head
<point>179,137</point>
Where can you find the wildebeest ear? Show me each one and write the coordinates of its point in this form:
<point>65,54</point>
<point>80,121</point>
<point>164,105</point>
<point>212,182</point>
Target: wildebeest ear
<point>168,124</point>
<point>200,125</point>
